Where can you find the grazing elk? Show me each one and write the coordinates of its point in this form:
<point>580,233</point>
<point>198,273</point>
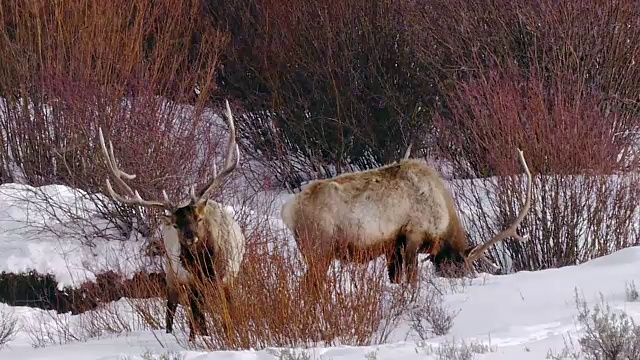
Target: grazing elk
<point>202,240</point>
<point>397,210</point>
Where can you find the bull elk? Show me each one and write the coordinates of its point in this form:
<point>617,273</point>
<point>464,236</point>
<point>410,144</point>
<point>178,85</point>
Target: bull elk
<point>202,240</point>
<point>398,210</point>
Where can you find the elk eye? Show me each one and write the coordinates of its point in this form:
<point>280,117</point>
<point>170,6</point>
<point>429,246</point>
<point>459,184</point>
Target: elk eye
<point>175,226</point>
<point>199,220</point>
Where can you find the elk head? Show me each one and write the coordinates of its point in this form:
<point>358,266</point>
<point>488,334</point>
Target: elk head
<point>189,216</point>
<point>456,263</point>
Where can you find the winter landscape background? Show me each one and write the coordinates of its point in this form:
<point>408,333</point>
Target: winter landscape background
<point>317,90</point>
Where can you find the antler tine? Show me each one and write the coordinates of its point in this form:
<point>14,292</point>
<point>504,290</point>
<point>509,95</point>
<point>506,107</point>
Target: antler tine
<point>135,198</point>
<point>232,160</point>
<point>192,191</point>
<point>407,153</point>
<point>170,204</point>
<point>113,166</point>
<point>478,251</point>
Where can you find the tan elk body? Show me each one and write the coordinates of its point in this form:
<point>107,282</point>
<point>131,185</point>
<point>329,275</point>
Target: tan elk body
<point>397,210</point>
<point>202,240</point>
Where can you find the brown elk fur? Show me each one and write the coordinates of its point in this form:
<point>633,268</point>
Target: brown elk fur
<point>397,210</point>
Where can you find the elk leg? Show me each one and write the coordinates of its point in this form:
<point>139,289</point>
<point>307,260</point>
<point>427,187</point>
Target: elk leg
<point>394,263</point>
<point>172,304</point>
<point>192,325</point>
<point>411,261</point>
<point>197,323</point>
<point>201,319</point>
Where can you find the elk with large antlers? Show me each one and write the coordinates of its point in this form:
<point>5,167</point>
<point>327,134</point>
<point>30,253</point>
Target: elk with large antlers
<point>397,210</point>
<point>202,240</point>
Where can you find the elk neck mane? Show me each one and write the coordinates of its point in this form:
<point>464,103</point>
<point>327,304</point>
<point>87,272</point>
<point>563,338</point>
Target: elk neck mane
<point>223,237</point>
<point>172,247</point>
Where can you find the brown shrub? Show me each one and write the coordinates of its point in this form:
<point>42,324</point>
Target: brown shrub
<point>71,67</point>
<point>559,123</point>
<point>592,44</point>
<point>356,306</point>
<point>585,200</point>
<point>168,44</point>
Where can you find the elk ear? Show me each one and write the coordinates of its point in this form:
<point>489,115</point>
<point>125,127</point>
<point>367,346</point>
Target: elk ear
<point>201,208</point>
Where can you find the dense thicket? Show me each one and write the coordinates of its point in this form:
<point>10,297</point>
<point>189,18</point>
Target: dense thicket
<point>323,88</point>
<point>68,67</point>
<point>327,87</point>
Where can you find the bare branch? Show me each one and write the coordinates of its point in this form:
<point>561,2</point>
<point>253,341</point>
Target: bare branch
<point>134,197</point>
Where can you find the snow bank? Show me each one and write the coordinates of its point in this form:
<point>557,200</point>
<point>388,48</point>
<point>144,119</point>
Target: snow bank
<point>54,229</point>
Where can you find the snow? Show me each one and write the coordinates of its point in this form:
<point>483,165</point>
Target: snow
<point>46,229</point>
<point>518,316</point>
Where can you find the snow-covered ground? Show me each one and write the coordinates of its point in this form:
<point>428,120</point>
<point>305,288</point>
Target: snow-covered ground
<point>518,316</point>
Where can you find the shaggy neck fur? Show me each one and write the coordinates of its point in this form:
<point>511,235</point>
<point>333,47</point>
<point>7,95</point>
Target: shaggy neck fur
<point>456,236</point>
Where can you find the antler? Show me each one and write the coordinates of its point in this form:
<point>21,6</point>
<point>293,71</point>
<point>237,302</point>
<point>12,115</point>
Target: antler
<point>407,152</point>
<point>229,166</point>
<point>134,197</point>
<point>478,251</point>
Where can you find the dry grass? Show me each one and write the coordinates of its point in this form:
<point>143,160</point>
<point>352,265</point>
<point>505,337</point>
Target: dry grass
<point>585,199</point>
<point>607,334</point>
